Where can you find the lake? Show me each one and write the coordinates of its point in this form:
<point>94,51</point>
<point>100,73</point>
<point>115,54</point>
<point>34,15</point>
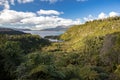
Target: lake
<point>45,33</point>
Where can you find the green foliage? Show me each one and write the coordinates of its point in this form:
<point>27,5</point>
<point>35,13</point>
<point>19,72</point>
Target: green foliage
<point>38,66</point>
<point>11,57</point>
<point>117,72</point>
<point>29,43</point>
<point>75,35</point>
<point>89,52</point>
<point>13,48</point>
<point>88,74</point>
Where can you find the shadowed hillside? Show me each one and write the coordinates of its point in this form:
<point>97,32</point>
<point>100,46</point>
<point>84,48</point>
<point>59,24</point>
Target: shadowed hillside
<point>10,31</point>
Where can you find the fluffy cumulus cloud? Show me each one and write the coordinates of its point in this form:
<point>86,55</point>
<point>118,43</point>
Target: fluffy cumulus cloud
<point>89,18</point>
<point>113,14</point>
<point>48,12</point>
<point>102,15</point>
<point>11,16</point>
<point>41,22</point>
<point>51,22</point>
<point>32,20</point>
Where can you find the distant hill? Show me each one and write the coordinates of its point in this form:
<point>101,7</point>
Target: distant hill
<point>21,29</point>
<point>5,29</point>
<point>58,28</point>
<point>10,31</point>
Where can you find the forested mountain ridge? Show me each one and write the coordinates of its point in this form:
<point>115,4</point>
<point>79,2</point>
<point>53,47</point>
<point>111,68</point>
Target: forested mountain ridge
<point>10,31</point>
<point>5,29</point>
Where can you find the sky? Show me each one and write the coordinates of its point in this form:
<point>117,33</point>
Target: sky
<point>42,14</point>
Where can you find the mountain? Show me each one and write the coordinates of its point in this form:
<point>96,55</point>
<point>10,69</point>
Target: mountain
<point>10,31</point>
<point>21,29</point>
<point>58,28</point>
<point>5,29</point>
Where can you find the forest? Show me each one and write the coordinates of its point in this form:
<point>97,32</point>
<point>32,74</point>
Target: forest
<point>90,51</point>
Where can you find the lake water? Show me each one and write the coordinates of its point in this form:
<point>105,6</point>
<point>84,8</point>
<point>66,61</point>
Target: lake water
<point>45,33</point>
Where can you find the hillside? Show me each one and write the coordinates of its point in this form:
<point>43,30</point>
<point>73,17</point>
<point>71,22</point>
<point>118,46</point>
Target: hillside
<point>89,52</point>
<point>75,36</point>
<point>10,31</point>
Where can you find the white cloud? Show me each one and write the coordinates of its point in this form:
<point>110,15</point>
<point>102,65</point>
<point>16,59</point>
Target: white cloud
<point>89,18</point>
<point>49,21</point>
<point>2,1</point>
<point>113,14</point>
<point>6,3</point>
<point>12,2</point>
<point>102,15</point>
<point>48,12</point>
<point>25,1</point>
<point>50,1</point>
<point>11,18</point>
<point>56,22</point>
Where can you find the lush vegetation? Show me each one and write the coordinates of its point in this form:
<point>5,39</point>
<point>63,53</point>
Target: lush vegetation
<point>75,36</point>
<point>89,52</point>
<point>13,49</point>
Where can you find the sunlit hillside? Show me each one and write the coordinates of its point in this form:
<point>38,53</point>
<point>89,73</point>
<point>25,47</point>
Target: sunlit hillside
<point>75,36</point>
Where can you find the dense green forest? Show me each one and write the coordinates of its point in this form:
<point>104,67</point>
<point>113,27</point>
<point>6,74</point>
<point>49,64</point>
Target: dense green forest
<point>88,52</point>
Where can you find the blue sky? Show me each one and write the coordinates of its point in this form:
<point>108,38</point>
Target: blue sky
<point>72,8</point>
<point>60,12</point>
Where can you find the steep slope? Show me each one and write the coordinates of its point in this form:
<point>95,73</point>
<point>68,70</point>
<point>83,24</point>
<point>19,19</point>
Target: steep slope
<point>75,36</point>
